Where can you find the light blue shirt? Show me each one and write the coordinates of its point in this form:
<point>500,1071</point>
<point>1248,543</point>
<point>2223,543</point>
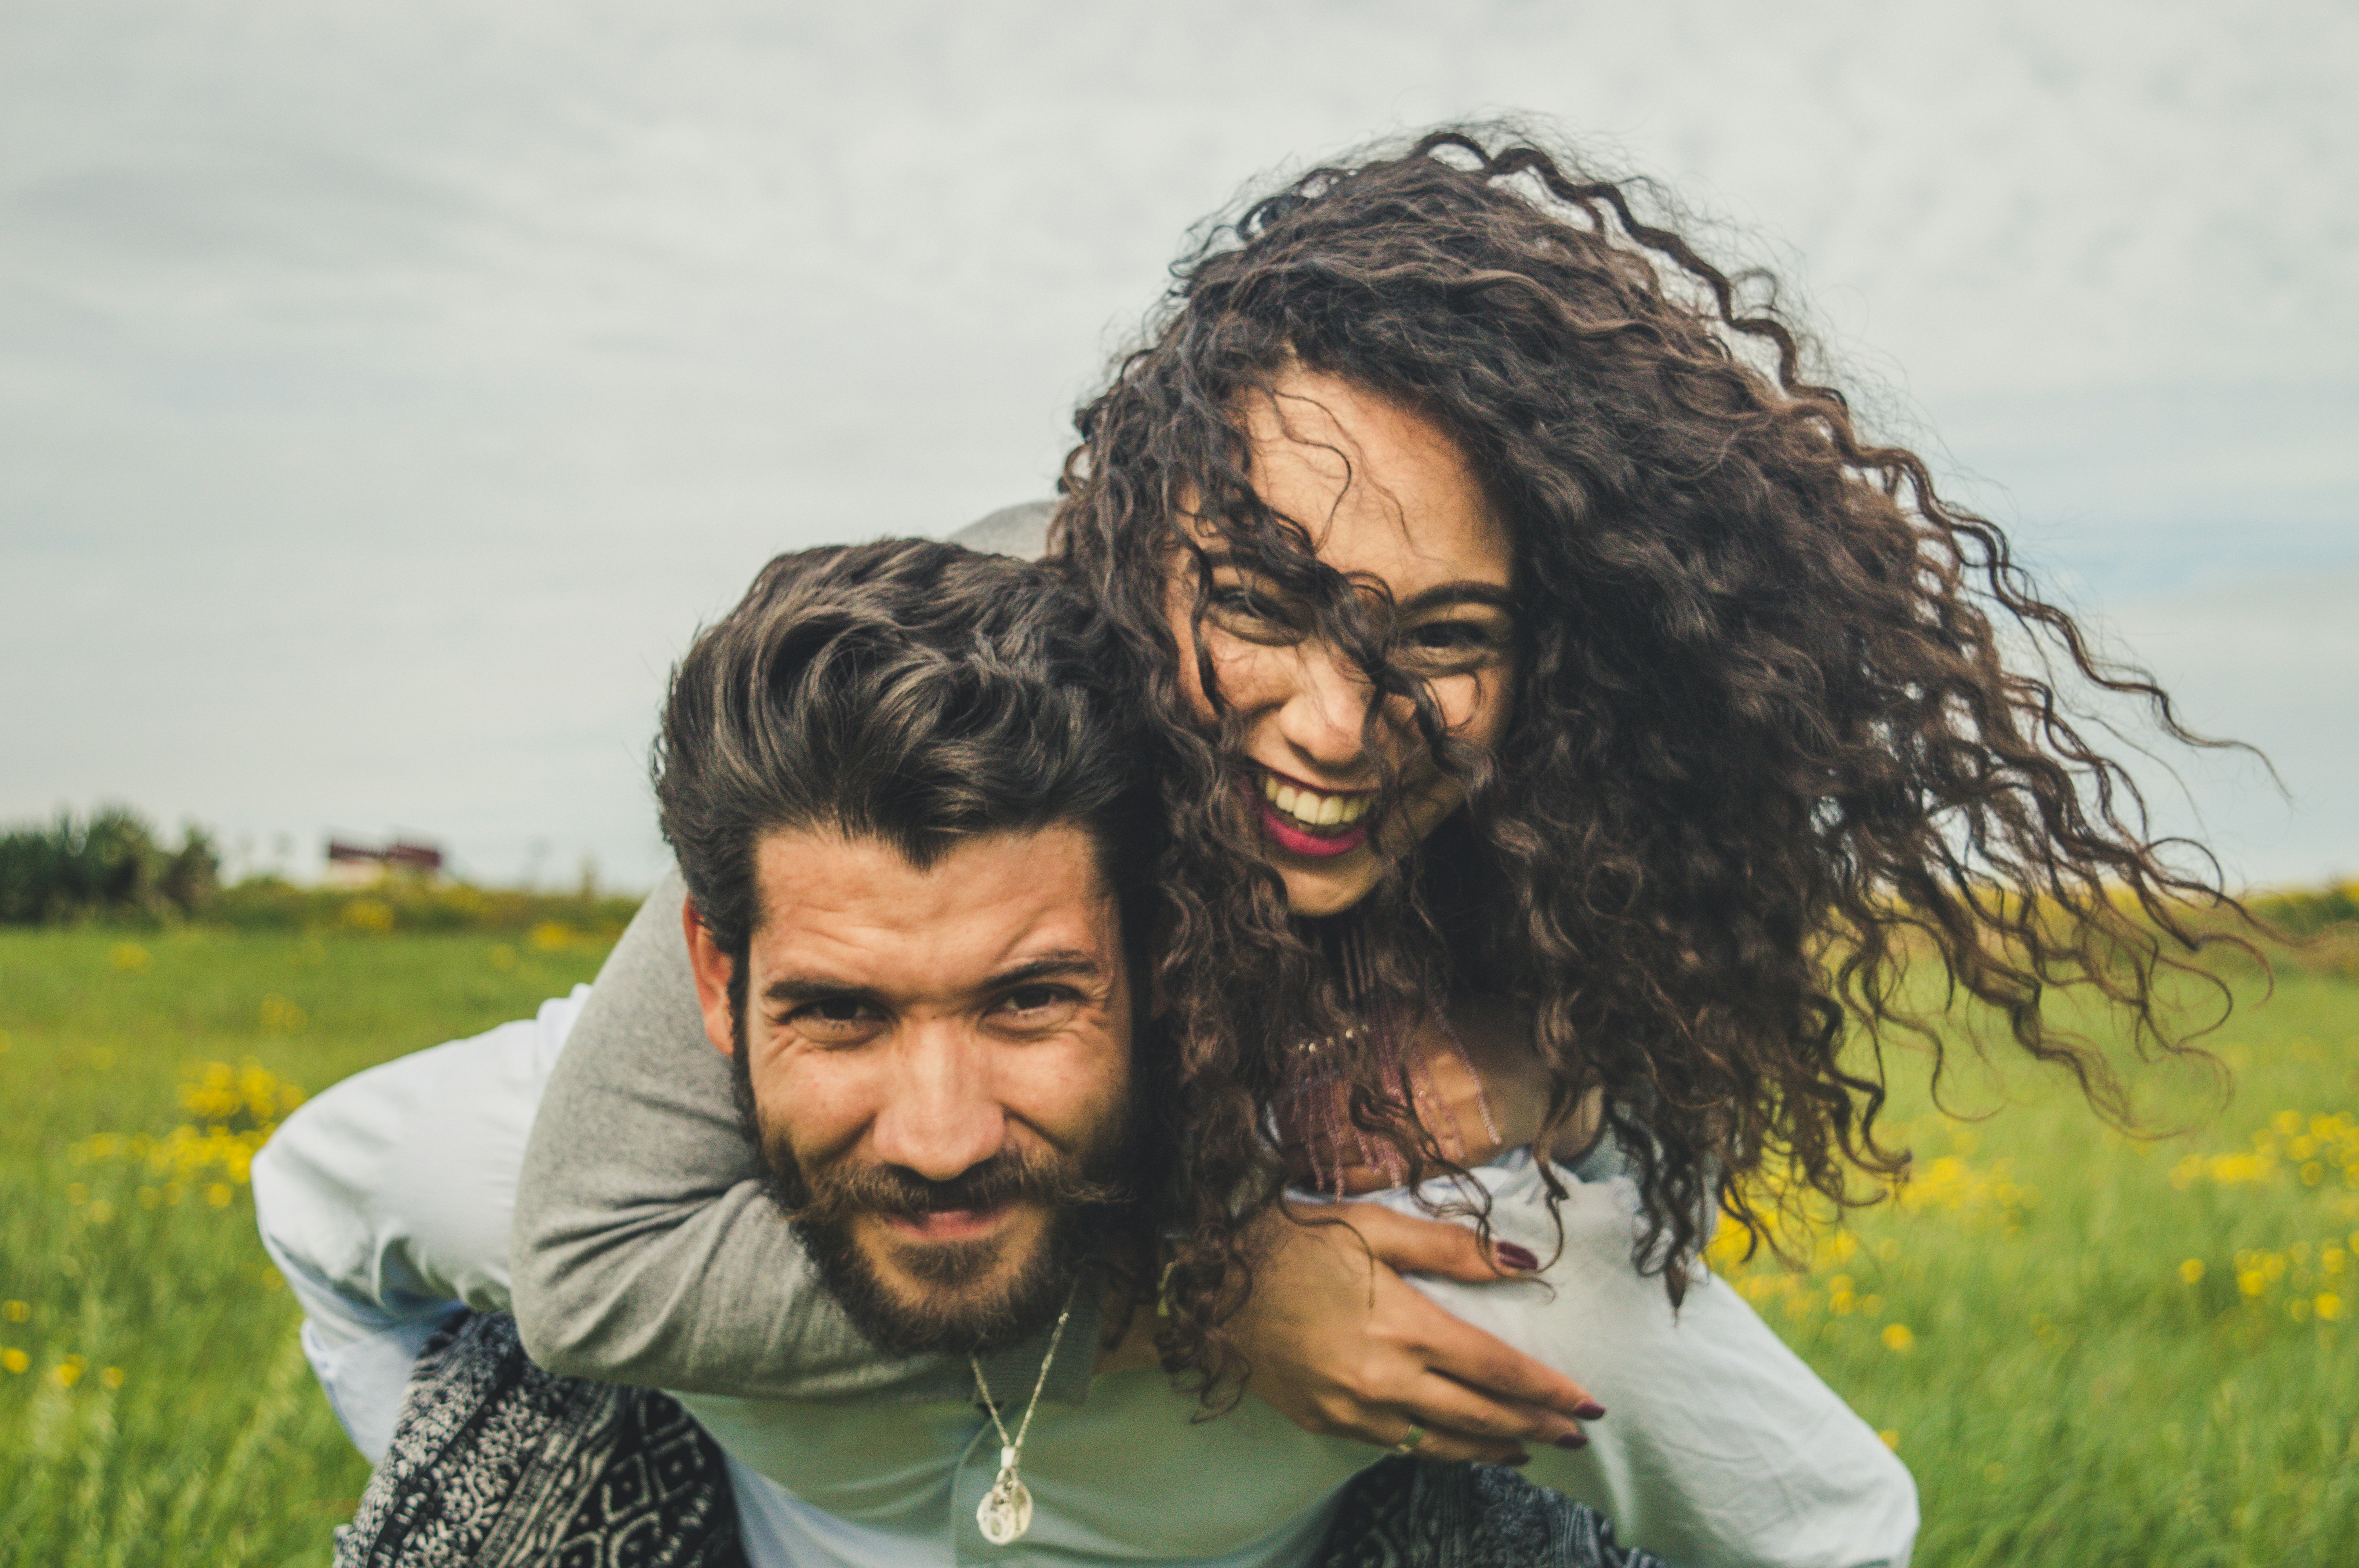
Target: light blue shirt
<point>386,1201</point>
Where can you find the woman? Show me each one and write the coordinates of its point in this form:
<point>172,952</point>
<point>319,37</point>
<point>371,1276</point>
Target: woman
<point>1725,692</point>
<point>1580,725</point>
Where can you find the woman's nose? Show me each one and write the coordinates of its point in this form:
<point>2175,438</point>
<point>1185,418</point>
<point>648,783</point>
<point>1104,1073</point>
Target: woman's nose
<point>1324,716</point>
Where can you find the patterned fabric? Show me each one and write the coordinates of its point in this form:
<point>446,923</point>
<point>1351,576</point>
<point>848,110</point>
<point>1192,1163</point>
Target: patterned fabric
<point>1413,1513</point>
<point>496,1464</point>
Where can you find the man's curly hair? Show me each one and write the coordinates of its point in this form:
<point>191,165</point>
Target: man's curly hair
<point>1774,734</point>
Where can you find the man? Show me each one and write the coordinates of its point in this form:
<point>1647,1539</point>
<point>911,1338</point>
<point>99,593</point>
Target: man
<point>911,805</point>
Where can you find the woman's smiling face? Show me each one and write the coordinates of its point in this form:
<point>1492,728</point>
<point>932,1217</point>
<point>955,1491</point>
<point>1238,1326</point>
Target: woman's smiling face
<point>1386,496</point>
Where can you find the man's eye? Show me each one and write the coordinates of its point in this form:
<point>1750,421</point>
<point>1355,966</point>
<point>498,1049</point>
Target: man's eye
<point>835,1018</point>
<point>1035,998</point>
<point>1037,1007</point>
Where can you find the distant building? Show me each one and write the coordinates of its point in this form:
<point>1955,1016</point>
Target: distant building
<point>357,865</point>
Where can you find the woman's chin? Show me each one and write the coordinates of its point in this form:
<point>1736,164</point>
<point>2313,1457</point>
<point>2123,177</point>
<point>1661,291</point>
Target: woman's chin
<point>1315,889</point>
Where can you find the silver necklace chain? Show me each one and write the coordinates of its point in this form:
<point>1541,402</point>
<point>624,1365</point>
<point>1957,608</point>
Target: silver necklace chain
<point>1005,1511</point>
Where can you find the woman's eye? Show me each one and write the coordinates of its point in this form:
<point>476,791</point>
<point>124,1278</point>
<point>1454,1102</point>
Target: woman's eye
<point>1449,641</point>
<point>1251,613</point>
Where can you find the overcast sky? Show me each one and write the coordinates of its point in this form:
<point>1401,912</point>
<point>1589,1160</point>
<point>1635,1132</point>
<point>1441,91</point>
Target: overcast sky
<point>386,391</point>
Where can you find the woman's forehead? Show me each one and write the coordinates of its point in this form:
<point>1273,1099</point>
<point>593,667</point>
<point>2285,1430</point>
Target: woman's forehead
<point>1380,489</point>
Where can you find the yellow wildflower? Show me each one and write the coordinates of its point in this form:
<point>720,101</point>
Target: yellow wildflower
<point>370,917</point>
<point>1896,1337</point>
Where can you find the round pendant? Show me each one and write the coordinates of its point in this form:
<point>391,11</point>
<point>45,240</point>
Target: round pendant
<point>1005,1511</point>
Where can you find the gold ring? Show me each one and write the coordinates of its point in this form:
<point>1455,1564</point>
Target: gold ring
<point>1407,1445</point>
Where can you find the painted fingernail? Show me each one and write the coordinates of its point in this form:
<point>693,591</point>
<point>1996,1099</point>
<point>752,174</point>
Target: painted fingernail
<point>1572,1440</point>
<point>1521,1260</point>
<point>1516,1461</point>
<point>1589,1410</point>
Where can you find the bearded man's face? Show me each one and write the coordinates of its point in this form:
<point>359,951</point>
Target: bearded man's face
<point>935,1063</point>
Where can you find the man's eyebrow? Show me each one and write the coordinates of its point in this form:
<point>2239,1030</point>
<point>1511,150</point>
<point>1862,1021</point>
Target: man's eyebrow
<point>814,988</point>
<point>1074,963</point>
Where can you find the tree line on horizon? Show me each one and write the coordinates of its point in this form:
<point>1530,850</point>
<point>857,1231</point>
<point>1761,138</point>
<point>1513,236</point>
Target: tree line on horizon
<point>108,865</point>
<point>113,867</point>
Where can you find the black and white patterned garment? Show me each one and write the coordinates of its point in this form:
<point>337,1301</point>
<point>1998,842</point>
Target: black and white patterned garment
<point>496,1464</point>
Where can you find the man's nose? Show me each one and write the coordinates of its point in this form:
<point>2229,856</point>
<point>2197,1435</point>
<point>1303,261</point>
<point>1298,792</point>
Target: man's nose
<point>1324,718</point>
<point>940,1117</point>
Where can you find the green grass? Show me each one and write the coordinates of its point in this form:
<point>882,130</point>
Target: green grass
<point>2113,1350</point>
<point>163,1413</point>
<point>2065,1395</point>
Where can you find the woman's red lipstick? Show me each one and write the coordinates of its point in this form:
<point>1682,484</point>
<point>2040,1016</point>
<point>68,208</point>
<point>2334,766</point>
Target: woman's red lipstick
<point>1289,834</point>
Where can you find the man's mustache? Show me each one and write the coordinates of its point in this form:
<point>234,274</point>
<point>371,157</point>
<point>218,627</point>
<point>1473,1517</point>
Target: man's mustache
<point>838,1192</point>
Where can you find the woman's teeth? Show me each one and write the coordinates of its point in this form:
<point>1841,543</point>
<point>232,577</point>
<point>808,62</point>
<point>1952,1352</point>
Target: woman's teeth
<point>1311,808</point>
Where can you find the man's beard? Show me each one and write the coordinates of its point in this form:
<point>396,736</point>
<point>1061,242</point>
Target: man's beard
<point>1083,1195</point>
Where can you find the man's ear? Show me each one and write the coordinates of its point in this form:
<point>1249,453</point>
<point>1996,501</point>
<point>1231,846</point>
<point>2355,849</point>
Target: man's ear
<point>714,969</point>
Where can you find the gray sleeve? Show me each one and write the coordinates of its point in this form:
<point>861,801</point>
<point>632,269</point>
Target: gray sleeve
<point>644,1249</point>
<point>1018,530</point>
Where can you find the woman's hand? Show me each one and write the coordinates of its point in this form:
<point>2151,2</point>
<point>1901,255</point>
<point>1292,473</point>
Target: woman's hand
<point>1342,1345</point>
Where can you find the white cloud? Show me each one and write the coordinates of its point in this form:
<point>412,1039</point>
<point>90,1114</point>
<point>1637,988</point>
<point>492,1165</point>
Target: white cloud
<point>426,370</point>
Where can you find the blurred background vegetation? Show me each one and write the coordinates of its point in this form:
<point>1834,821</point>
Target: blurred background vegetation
<point>112,869</point>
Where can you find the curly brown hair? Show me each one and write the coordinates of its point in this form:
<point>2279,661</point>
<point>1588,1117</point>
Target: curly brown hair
<point>1769,739</point>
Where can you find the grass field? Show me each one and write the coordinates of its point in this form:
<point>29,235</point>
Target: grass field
<point>2090,1349</point>
<point>154,1406</point>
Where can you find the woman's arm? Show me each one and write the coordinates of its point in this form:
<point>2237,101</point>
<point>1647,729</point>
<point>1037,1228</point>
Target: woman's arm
<point>647,1250</point>
<point>1723,1446</point>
